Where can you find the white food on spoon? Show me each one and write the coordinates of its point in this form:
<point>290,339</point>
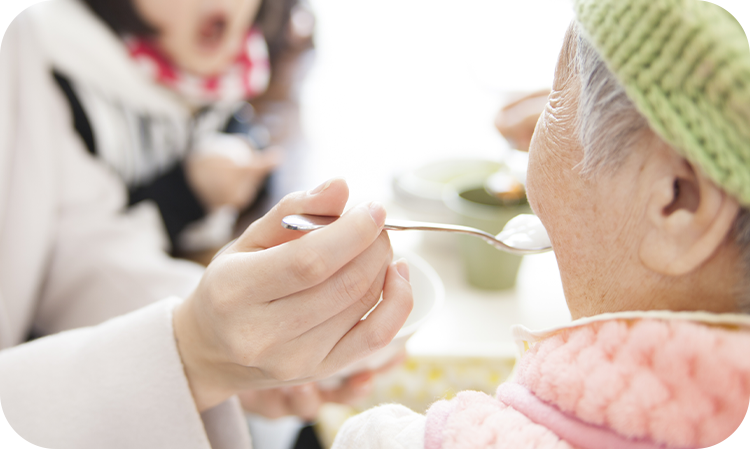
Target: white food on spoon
<point>525,232</point>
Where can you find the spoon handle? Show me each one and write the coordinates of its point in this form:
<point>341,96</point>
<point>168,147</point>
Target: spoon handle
<point>306,222</point>
<point>405,225</point>
<point>311,222</point>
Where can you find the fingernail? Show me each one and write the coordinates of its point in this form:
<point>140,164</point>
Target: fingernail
<point>321,187</point>
<point>402,266</point>
<point>377,211</point>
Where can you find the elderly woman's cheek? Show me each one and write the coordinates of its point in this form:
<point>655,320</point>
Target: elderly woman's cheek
<point>531,192</point>
<point>538,190</point>
<point>534,176</point>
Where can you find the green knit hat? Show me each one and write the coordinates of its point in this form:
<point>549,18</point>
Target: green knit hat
<point>685,64</point>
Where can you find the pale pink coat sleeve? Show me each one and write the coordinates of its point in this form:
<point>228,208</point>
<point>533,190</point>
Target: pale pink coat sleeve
<point>103,261</point>
<point>69,257</point>
<point>120,384</point>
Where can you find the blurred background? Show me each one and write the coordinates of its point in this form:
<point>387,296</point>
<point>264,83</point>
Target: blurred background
<point>401,99</point>
<point>397,83</point>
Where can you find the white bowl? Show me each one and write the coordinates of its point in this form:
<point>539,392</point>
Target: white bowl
<point>419,193</point>
<point>421,190</point>
<point>429,295</point>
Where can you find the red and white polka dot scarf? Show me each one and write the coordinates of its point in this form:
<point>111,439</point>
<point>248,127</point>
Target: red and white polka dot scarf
<point>247,77</point>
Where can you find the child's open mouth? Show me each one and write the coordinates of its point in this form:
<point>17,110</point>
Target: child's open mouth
<point>212,31</point>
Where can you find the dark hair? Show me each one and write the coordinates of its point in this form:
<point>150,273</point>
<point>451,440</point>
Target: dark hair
<point>121,16</point>
<point>273,21</point>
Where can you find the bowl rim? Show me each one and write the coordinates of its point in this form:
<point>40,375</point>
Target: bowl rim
<point>455,203</point>
<point>422,265</point>
<point>410,186</point>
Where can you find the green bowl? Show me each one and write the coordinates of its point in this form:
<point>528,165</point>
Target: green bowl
<point>484,266</point>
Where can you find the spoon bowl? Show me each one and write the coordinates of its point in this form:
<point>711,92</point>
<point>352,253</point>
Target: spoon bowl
<point>522,235</point>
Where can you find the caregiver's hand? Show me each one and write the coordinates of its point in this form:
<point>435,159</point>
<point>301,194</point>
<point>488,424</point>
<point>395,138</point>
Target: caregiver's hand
<point>305,400</point>
<point>281,307</point>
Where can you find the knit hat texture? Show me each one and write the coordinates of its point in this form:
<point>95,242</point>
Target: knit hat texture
<point>685,64</point>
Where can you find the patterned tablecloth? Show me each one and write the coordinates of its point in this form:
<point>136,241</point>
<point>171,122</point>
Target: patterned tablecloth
<point>419,382</point>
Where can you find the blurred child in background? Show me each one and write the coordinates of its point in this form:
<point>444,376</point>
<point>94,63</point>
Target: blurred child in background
<point>153,87</point>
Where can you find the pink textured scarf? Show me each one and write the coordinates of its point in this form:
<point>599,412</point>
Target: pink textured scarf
<point>247,77</point>
<point>617,383</point>
<point>674,382</point>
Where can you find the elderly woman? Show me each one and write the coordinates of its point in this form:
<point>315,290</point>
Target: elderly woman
<point>640,170</point>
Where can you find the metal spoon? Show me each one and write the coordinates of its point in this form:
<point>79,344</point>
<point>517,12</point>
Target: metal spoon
<point>523,234</point>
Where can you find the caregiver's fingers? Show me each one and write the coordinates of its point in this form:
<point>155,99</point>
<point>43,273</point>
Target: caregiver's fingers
<point>322,338</point>
<point>304,401</point>
<point>353,390</point>
<point>306,262</point>
<point>357,282</point>
<point>328,198</point>
<point>270,403</point>
<point>380,326</point>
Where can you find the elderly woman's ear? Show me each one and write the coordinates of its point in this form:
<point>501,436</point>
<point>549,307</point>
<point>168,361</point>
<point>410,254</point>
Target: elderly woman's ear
<point>687,217</point>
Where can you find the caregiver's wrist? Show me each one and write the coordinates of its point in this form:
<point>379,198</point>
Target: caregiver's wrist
<point>207,385</point>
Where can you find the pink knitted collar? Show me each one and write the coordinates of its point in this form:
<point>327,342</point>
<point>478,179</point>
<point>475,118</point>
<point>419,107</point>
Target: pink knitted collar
<point>648,381</point>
